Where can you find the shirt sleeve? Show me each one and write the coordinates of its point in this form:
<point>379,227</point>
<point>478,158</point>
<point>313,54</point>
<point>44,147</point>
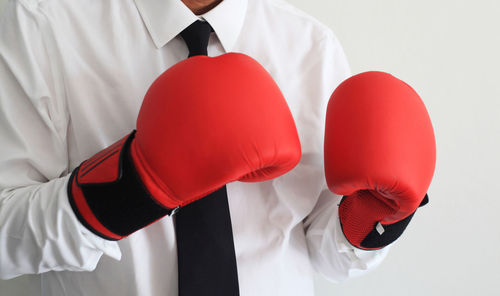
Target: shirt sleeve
<point>330,252</point>
<point>38,229</point>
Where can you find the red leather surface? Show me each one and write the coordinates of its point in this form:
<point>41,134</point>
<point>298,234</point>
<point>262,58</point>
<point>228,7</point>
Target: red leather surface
<point>209,121</point>
<point>379,145</point>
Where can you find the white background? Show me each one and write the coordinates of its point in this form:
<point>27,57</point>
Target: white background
<point>449,51</point>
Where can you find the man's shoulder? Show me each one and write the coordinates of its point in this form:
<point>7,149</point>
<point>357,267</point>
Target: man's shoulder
<point>284,14</point>
<point>41,5</point>
<point>73,6</point>
<point>30,4</point>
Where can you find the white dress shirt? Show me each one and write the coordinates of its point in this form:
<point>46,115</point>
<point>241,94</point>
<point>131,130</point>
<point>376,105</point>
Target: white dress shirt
<point>72,77</point>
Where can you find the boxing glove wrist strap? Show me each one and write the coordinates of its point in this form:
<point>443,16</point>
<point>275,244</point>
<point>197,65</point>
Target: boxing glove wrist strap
<point>380,235</point>
<point>108,196</point>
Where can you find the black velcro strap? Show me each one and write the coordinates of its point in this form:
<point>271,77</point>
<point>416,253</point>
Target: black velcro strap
<point>125,205</point>
<point>375,240</point>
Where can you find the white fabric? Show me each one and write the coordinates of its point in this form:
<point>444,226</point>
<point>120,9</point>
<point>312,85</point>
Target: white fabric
<point>72,77</point>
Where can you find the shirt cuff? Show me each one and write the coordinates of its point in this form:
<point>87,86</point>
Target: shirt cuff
<point>361,260</point>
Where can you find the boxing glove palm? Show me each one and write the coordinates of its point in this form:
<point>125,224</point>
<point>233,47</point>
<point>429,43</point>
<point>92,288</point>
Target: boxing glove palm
<point>379,154</point>
<point>203,123</point>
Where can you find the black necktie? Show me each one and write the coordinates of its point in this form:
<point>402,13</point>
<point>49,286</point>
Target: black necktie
<point>205,247</point>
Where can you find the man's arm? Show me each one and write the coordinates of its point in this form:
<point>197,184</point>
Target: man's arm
<point>38,230</point>
<point>330,252</point>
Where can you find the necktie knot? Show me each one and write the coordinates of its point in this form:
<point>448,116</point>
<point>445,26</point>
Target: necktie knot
<point>196,37</point>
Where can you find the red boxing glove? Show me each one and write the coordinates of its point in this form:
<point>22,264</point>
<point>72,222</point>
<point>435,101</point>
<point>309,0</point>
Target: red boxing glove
<point>380,153</point>
<point>203,123</point>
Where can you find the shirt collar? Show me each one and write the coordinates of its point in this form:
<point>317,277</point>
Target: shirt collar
<point>165,19</point>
